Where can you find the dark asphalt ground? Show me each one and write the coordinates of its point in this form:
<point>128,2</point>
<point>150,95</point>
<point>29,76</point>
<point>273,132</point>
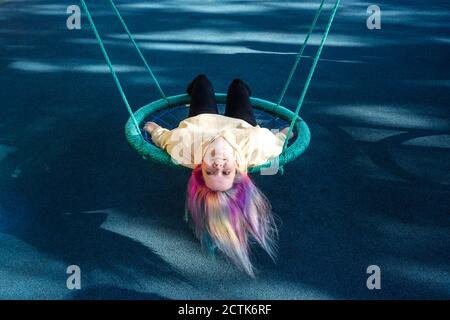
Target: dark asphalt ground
<point>372,189</point>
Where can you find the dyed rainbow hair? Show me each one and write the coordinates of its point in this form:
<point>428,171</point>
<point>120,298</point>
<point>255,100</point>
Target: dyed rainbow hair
<point>229,219</point>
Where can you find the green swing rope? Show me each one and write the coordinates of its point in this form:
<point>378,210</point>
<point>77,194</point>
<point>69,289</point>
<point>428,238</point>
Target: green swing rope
<point>311,72</point>
<point>300,54</point>
<point>111,68</point>
<point>137,48</point>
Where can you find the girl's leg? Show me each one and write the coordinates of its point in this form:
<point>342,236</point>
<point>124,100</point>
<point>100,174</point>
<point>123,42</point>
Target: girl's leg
<point>202,95</point>
<point>238,102</point>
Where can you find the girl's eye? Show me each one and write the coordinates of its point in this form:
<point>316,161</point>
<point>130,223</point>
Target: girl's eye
<point>208,173</point>
<point>226,173</point>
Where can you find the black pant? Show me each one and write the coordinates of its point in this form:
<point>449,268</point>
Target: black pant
<point>203,99</point>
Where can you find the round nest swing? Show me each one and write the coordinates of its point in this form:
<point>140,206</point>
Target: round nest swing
<point>175,107</point>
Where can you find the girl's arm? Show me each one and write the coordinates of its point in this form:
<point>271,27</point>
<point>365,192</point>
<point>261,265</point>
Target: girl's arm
<point>150,126</point>
<point>160,135</point>
<point>281,135</point>
<point>285,131</point>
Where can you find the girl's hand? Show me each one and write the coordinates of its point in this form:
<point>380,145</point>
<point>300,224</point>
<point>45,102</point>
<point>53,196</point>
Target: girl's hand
<point>285,131</point>
<point>150,126</point>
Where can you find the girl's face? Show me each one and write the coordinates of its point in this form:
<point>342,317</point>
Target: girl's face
<point>219,165</point>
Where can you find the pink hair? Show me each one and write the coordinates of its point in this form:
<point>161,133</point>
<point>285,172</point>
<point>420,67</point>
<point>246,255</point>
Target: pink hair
<point>229,218</point>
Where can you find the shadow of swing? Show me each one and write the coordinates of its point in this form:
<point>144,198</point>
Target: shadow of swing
<point>382,155</point>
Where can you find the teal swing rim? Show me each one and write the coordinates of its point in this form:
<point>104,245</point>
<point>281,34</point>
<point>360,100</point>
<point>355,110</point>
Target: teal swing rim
<point>151,152</point>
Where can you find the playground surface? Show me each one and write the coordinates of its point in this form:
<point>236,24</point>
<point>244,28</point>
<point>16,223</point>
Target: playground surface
<point>373,188</point>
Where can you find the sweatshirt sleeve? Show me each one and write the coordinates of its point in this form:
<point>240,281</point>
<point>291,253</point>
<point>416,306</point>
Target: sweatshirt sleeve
<point>262,146</point>
<point>161,137</point>
<point>281,137</point>
<point>274,144</point>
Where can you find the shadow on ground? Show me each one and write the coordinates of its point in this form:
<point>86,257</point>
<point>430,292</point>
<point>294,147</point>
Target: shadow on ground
<point>373,188</point>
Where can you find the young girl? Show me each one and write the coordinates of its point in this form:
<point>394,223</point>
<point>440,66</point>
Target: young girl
<point>226,208</point>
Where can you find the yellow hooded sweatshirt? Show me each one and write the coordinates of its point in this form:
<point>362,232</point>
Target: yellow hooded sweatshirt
<point>187,143</point>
